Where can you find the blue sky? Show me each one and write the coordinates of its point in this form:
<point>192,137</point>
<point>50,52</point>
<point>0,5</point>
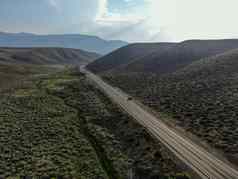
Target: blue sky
<point>130,20</point>
<point>95,17</point>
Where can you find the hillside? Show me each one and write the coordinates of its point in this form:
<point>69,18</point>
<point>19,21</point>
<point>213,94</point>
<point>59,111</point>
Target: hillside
<point>126,55</point>
<point>42,56</point>
<point>12,75</point>
<point>17,64</point>
<point>76,41</point>
<point>221,65</point>
<point>164,60</point>
<point>201,97</point>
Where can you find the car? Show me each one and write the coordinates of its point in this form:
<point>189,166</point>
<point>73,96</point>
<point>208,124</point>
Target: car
<point>129,98</point>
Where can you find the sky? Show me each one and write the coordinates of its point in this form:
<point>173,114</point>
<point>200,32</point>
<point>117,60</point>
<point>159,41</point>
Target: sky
<point>129,20</point>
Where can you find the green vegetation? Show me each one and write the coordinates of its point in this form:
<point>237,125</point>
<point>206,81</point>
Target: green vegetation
<point>40,135</point>
<point>18,64</point>
<point>202,98</point>
<point>13,75</point>
<point>60,125</point>
<point>192,81</point>
<point>116,133</point>
<point>45,56</point>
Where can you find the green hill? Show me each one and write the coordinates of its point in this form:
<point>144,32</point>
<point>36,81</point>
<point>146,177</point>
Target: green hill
<point>201,97</point>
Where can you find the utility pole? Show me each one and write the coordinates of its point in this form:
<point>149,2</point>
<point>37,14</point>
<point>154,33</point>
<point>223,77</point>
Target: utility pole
<point>130,174</point>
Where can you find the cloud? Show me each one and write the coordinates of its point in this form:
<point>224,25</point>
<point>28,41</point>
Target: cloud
<point>132,20</point>
<point>193,19</point>
<point>93,17</point>
<point>112,25</point>
<point>53,3</point>
<point>207,19</point>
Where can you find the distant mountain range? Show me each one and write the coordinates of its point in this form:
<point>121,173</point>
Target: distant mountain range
<point>76,41</point>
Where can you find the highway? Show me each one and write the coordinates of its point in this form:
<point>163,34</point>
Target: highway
<point>206,165</point>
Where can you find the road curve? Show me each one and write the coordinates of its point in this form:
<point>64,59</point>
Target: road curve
<point>206,165</point>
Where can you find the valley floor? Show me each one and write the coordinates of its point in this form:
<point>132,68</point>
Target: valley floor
<point>59,125</point>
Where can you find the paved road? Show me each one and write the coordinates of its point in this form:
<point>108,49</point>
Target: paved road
<point>202,162</point>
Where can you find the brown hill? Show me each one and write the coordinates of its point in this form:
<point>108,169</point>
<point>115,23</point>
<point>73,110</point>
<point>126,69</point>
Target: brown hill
<point>17,64</point>
<point>120,58</point>
<point>165,58</point>
<point>42,56</point>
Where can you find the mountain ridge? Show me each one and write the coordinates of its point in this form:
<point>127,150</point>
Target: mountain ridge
<point>126,55</point>
<point>77,41</point>
<point>45,56</point>
<point>162,60</point>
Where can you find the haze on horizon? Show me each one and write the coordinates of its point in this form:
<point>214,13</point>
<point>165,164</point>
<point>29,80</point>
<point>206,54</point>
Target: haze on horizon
<point>129,20</point>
